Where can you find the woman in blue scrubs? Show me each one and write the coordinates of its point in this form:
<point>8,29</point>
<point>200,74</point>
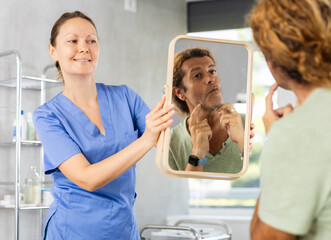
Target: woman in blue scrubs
<point>93,135</point>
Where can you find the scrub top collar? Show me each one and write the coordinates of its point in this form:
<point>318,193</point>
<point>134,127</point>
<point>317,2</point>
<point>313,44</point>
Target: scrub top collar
<point>81,117</point>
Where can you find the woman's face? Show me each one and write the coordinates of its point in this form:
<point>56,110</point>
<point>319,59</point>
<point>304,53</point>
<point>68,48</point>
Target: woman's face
<point>76,48</point>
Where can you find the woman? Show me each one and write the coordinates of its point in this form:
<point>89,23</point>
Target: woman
<point>92,136</point>
<point>295,200</point>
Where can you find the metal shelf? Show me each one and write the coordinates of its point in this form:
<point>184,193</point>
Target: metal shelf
<point>28,82</point>
<point>13,183</point>
<point>25,206</point>
<point>25,143</point>
<point>18,83</point>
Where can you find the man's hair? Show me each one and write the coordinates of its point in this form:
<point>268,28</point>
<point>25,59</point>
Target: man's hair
<point>178,73</point>
<point>296,36</point>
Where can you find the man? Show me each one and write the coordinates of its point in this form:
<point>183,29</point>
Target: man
<point>212,137</point>
<point>295,198</point>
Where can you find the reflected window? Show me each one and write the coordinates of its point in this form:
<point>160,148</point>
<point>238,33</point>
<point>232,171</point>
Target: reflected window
<point>244,191</point>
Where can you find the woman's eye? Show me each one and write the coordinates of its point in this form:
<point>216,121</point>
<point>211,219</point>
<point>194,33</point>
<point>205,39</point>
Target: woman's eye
<point>92,41</point>
<point>213,72</point>
<point>72,41</point>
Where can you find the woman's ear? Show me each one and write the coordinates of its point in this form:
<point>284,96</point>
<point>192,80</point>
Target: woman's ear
<point>179,93</point>
<point>52,52</point>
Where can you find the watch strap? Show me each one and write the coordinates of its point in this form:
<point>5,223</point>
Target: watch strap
<point>202,161</point>
<point>195,161</point>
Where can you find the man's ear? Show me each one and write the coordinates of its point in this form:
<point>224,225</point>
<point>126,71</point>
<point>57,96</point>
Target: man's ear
<point>179,93</point>
<point>271,65</point>
<point>52,52</point>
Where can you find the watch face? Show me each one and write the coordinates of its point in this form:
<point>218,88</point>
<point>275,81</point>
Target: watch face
<point>193,160</point>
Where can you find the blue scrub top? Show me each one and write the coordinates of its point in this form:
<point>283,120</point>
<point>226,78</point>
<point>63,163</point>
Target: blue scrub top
<point>64,131</point>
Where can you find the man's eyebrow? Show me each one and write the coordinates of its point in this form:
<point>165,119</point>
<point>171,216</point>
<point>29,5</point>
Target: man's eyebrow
<point>198,68</point>
<point>195,69</point>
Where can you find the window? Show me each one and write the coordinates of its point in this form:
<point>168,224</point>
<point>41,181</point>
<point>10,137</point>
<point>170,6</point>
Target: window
<point>244,191</point>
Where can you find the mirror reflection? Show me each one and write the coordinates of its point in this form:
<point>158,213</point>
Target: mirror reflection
<point>209,92</point>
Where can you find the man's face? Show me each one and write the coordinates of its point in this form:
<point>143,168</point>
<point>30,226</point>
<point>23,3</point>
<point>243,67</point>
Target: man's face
<point>202,84</point>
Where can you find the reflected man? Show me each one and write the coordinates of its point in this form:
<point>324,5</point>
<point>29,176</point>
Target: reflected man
<point>211,138</point>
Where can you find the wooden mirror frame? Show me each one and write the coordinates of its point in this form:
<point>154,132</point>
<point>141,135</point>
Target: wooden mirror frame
<point>162,153</point>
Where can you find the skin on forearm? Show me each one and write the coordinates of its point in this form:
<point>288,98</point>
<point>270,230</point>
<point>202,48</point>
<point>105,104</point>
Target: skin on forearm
<point>94,176</point>
<point>241,143</point>
<point>196,151</point>
<point>255,219</point>
<point>190,167</point>
<point>262,231</point>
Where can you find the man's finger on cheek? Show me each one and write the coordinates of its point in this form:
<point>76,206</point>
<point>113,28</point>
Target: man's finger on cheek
<point>195,112</point>
<point>268,99</point>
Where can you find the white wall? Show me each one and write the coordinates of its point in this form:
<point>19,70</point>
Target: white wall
<point>133,51</point>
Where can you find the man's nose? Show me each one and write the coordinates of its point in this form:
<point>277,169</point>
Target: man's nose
<point>210,79</point>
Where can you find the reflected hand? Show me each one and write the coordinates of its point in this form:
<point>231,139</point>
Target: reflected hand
<point>270,116</point>
<point>230,120</point>
<point>158,120</point>
<point>200,132</point>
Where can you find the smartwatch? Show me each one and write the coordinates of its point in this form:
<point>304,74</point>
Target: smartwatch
<point>195,161</point>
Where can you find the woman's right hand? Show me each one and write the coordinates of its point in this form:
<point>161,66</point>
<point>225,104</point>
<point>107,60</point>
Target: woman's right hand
<point>158,120</point>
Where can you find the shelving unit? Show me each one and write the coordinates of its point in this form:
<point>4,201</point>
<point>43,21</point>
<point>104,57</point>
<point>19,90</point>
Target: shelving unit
<point>30,83</point>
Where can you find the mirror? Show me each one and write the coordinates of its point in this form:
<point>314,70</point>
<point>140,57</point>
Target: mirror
<point>209,81</point>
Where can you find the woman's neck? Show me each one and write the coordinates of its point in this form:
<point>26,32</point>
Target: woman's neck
<point>80,90</point>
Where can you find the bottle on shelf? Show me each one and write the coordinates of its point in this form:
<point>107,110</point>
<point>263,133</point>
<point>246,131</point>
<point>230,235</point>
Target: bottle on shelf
<point>32,187</point>
<point>23,127</point>
<point>30,130</point>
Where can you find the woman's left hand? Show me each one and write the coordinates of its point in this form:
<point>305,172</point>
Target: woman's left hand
<point>158,120</point>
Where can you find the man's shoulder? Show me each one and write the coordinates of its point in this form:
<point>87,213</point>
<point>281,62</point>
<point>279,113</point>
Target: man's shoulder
<point>179,129</point>
<point>180,135</point>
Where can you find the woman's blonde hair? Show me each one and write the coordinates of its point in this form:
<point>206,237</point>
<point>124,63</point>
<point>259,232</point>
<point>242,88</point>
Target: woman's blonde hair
<point>296,36</point>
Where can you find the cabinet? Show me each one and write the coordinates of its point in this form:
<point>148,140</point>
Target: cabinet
<point>16,156</point>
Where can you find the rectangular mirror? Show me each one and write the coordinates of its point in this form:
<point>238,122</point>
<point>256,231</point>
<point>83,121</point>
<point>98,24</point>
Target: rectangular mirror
<point>209,81</point>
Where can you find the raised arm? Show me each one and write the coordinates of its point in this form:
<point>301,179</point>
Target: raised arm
<point>93,176</point>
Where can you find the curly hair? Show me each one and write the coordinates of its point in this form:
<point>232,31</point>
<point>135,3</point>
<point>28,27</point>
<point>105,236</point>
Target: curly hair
<point>178,74</point>
<point>296,36</point>
<point>56,29</point>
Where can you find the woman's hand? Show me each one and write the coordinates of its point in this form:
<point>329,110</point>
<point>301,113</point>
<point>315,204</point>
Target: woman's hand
<point>270,116</point>
<point>157,120</point>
